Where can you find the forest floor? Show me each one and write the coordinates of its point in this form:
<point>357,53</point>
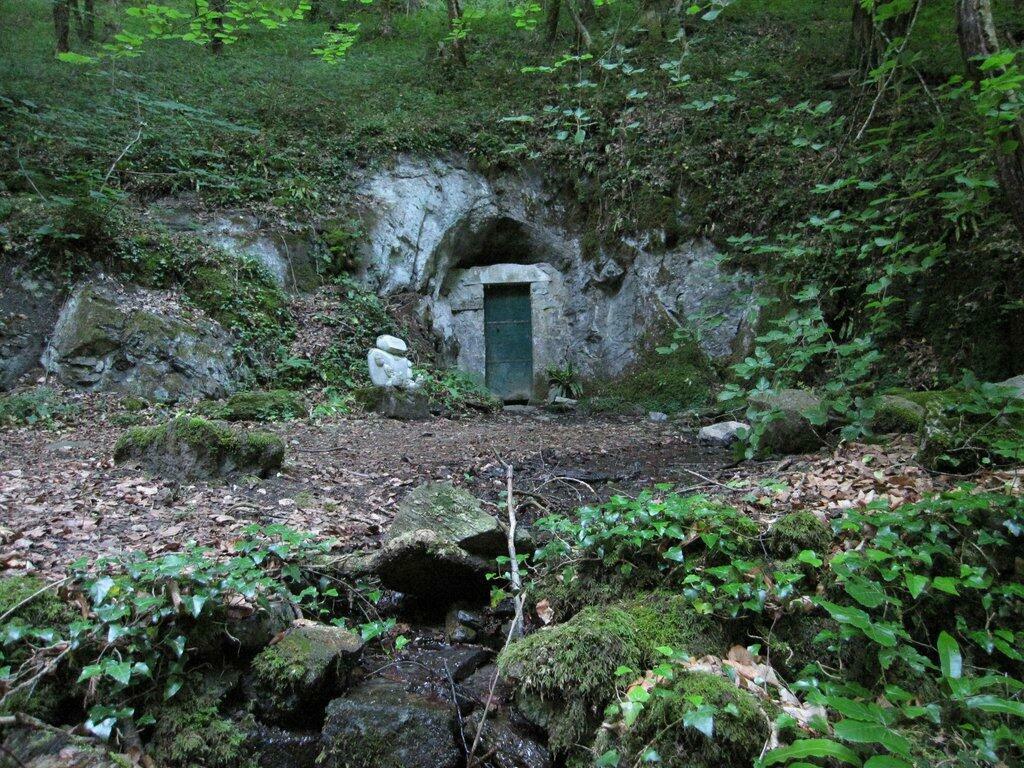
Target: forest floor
<point>63,498</point>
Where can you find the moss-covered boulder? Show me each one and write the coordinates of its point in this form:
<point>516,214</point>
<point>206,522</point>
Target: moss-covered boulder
<point>382,725</point>
<point>565,675</point>
<point>298,674</point>
<point>271,405</point>
<point>193,732</point>
<point>193,447</point>
<point>34,748</point>
<point>39,608</point>
<point>740,726</point>
<point>896,414</point>
<point>789,429</point>
<point>796,531</point>
<point>454,514</point>
<point>137,342</point>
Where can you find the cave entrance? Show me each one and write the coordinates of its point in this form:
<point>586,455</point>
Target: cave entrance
<point>508,341</point>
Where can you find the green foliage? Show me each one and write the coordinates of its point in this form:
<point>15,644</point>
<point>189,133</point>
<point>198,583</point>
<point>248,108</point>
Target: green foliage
<point>458,391</point>
<point>912,598</point>
<point>40,406</point>
<point>147,618</point>
<point>565,382</point>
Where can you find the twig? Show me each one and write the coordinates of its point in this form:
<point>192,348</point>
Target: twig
<point>707,480</point>
<point>128,146</point>
<point>471,762</point>
<point>517,583</point>
<point>27,721</point>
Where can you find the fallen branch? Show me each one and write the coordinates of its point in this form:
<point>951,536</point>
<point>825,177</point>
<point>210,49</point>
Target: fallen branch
<point>46,588</point>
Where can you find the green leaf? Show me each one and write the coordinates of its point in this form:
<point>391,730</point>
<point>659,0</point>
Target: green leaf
<point>811,748</point>
<point>867,593</point>
<point>120,672</point>
<point>608,759</point>
<point>949,656</point>
<point>884,761</point>
<point>701,719</point>
<point>915,584</point>
<point>946,584</point>
<point>808,556</point>
<point>996,705</point>
<point>859,732</point>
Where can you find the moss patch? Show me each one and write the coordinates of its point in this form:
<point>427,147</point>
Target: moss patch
<point>794,532</point>
<point>671,382</point>
<point>897,414</point>
<point>565,675</point>
<point>740,725</point>
<point>192,732</point>
<point>193,446</point>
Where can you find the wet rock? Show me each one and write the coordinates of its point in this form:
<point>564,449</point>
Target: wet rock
<point>32,748</point>
<point>454,514</point>
<point>274,747</point>
<point>250,634</point>
<point>115,339</point>
<point>192,447</point>
<point>426,564</point>
<point>476,690</point>
<point>433,669</point>
<point>722,434</point>
<point>462,625</point>
<point>382,725</point>
<point>293,677</point>
<point>790,430</point>
<point>508,746</point>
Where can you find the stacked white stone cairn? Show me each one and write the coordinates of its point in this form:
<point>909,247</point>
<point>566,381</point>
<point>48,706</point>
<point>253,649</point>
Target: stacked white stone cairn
<point>389,366</point>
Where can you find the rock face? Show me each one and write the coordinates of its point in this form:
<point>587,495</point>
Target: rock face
<point>723,434</point>
<point>192,447</point>
<point>139,342</point>
<point>897,414</point>
<point>1015,383</point>
<point>287,251</point>
<point>508,747</point>
<point>381,725</point>
<point>295,675</point>
<point>454,514</point>
<point>449,233</point>
<point>790,431</point>
<point>28,309</point>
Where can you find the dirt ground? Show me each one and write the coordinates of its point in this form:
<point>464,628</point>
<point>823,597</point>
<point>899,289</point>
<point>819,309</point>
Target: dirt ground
<point>63,498</point>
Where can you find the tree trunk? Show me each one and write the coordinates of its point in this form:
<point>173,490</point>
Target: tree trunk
<point>62,25</point>
<point>76,12</point>
<point>976,32</point>
<point>90,19</point>
<point>218,8</point>
<point>585,40</point>
<point>554,10</point>
<point>869,40</point>
<point>454,24</point>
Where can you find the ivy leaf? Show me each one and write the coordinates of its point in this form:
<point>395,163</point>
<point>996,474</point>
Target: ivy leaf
<point>701,719</point>
<point>945,584</point>
<point>867,593</point>
<point>121,672</point>
<point>915,583</point>
<point>608,759</point>
<point>809,557</point>
<point>100,589</point>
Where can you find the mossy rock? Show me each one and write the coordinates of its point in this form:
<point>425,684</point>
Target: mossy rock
<point>297,675</point>
<point>565,675</point>
<point>789,429</point>
<point>740,726</point>
<point>896,414</point>
<point>34,748</point>
<point>270,405</point>
<point>428,564</point>
<point>796,531</point>
<point>53,696</point>
<point>453,513</point>
<point>193,447</point>
<point>382,725</point>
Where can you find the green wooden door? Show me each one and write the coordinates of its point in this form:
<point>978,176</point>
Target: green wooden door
<point>508,339</point>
